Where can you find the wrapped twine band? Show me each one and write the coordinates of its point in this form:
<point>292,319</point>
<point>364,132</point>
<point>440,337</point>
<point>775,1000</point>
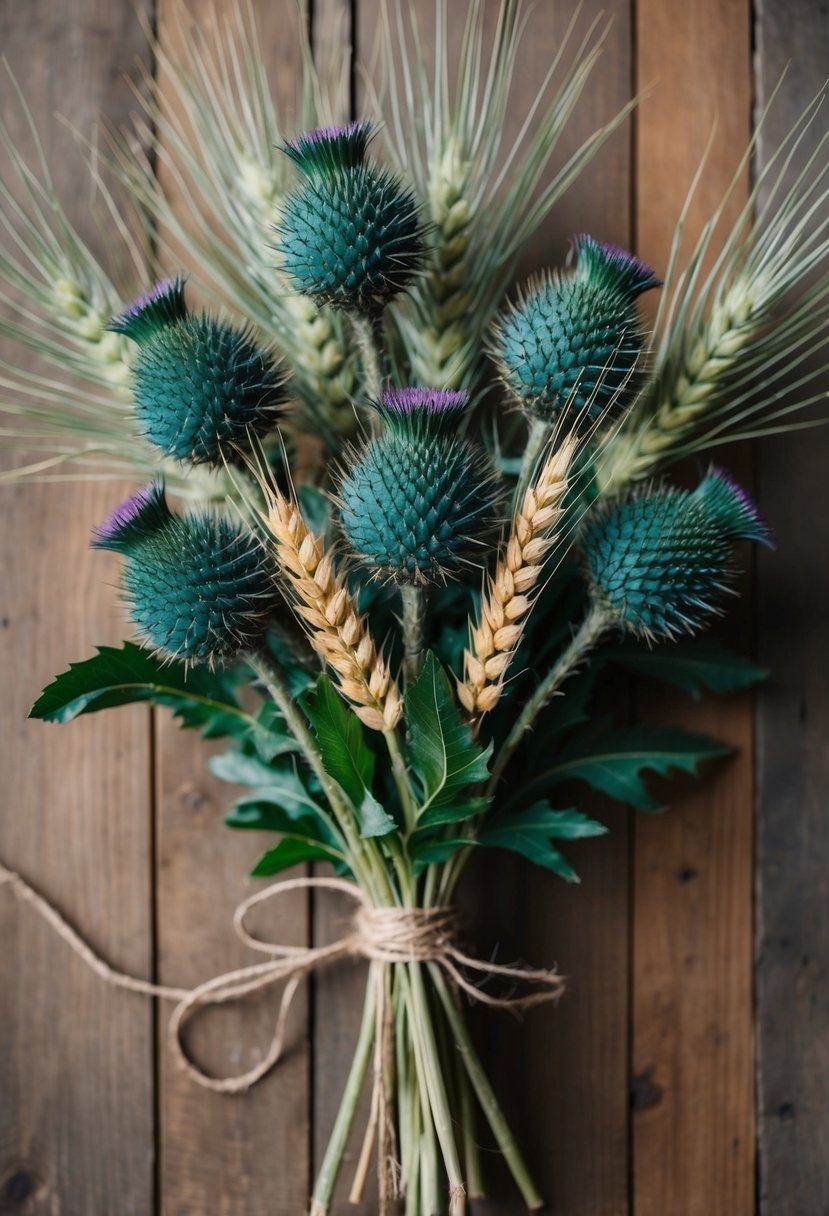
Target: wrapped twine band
<point>383,935</point>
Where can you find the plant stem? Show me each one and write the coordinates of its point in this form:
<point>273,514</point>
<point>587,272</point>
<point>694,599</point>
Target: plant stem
<point>489,1103</point>
<point>592,627</point>
<point>540,432</point>
<point>366,332</point>
<point>327,1177</point>
<point>401,779</point>
<point>271,677</point>
<point>426,1053</point>
<point>415,600</point>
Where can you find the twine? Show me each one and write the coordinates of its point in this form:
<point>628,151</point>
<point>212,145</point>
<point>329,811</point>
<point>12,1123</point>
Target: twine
<point>385,936</point>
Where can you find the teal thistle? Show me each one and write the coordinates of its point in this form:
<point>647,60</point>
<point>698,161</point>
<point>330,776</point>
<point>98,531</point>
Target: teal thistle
<point>418,502</point>
<point>659,561</point>
<point>198,587</point>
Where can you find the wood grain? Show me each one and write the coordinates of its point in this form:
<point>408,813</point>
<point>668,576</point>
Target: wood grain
<point>792,723</point>
<point>220,1155</point>
<point>693,1122</point>
<point>76,1057</point>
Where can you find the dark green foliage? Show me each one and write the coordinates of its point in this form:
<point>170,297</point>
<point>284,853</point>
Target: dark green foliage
<point>352,238</point>
<point>614,760</point>
<point>575,339</point>
<point>198,587</point>
<point>695,665</point>
<point>443,754</point>
<point>660,561</point>
<point>418,502</point>
<point>125,676</point>
<point>532,831</point>
<point>346,756</point>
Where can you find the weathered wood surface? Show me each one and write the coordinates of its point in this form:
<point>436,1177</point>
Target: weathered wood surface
<point>657,940</point>
<point>792,762</point>
<point>76,1057</point>
<point>692,1017</point>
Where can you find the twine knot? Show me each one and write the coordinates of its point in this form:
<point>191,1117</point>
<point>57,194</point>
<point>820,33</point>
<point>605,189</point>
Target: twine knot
<point>386,936</point>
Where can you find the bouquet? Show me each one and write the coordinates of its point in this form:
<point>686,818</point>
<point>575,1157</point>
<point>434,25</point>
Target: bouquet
<point>419,513</point>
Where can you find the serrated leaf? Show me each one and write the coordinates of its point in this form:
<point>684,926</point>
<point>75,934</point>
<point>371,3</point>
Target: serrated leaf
<point>346,756</point>
<point>200,698</point>
<point>284,787</point>
<point>292,851</point>
<point>532,831</point>
<point>443,753</point>
<point>694,665</point>
<point>615,761</point>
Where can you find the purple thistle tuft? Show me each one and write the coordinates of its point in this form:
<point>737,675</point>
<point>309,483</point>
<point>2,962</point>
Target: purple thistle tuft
<point>330,149</point>
<point>424,400</point>
<point>735,507</point>
<point>422,411</point>
<point>162,305</point>
<point>142,513</point>
<point>614,266</point>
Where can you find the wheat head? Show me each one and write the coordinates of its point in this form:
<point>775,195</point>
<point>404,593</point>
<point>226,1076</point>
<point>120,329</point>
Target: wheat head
<point>495,637</point>
<point>326,607</point>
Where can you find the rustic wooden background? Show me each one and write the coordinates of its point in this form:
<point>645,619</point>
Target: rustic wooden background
<point>687,1071</point>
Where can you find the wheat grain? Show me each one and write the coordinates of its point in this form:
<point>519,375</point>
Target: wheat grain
<point>687,388</point>
<point>495,637</point>
<point>327,609</point>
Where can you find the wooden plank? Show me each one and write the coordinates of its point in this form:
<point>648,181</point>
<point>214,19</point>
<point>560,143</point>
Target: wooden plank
<point>76,1057</point>
<point>222,1155</point>
<point>693,1137</point>
<point>792,724</point>
<point>563,1073</point>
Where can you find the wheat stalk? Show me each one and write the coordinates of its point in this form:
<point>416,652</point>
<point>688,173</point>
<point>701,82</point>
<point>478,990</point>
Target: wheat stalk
<point>512,591</point>
<point>687,393</point>
<point>740,338</point>
<point>336,630</point>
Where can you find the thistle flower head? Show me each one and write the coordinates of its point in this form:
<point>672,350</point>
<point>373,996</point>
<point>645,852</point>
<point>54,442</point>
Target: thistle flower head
<point>575,339</point>
<point>725,500</point>
<point>616,269</point>
<point>330,150</point>
<point>659,561</point>
<point>143,513</point>
<point>418,501</point>
<point>351,236</point>
<point>163,305</point>
<point>202,388</point>
<point>198,587</point>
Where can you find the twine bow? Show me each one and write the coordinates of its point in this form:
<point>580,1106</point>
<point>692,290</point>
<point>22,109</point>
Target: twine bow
<point>383,935</point>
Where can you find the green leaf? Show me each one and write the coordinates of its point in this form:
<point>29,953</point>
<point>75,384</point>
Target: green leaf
<point>532,831</point>
<point>282,786</point>
<point>292,851</point>
<point>694,665</point>
<point>346,756</point>
<point>429,852</point>
<point>614,761</point>
<point>200,698</point>
<point>443,753</point>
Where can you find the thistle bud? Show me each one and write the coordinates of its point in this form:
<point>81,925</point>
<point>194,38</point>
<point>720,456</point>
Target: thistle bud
<point>350,235</point>
<point>575,339</point>
<point>418,500</point>
<point>201,387</point>
<point>198,587</point>
<point>658,561</point>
